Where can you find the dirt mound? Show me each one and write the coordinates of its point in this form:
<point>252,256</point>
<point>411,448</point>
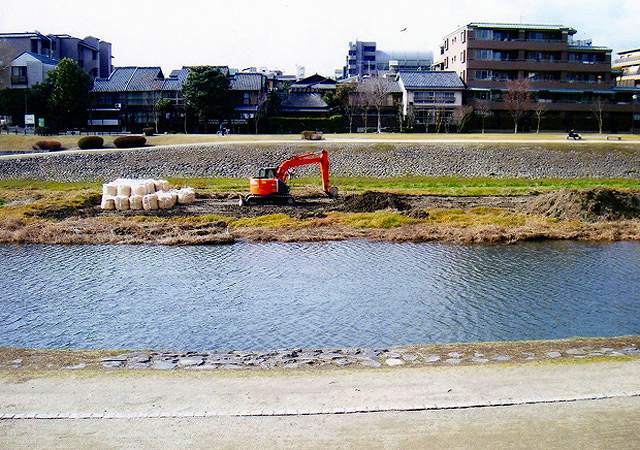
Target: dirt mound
<point>593,205</point>
<point>374,201</point>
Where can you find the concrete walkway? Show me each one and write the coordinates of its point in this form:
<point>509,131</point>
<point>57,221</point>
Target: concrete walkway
<point>392,407</point>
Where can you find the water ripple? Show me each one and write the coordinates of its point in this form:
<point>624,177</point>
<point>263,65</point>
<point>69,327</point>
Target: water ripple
<point>263,296</point>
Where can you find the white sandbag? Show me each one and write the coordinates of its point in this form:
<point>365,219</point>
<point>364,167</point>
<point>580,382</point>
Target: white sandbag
<point>162,185</point>
<point>186,196</point>
<point>150,202</point>
<point>122,203</point>
<point>138,189</point>
<point>108,203</point>
<point>124,189</point>
<point>135,202</point>
<point>167,200</point>
<point>149,187</point>
<point>110,189</point>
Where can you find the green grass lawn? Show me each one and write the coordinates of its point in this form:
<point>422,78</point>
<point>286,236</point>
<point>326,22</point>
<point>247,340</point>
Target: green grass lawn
<point>453,186</point>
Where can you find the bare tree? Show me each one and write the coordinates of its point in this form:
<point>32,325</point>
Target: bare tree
<point>539,110</point>
<point>262,108</point>
<point>461,116</point>
<point>378,89</point>
<point>438,118</point>
<point>346,100</point>
<point>160,106</point>
<point>518,100</point>
<point>483,109</point>
<point>364,101</point>
<point>598,111</point>
<point>5,64</point>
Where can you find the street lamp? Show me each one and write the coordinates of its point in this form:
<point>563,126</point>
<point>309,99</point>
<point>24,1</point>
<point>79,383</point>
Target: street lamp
<point>633,113</point>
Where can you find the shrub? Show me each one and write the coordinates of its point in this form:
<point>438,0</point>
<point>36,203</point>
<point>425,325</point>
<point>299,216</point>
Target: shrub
<point>47,145</point>
<point>312,135</point>
<point>148,131</point>
<point>89,142</point>
<point>129,141</point>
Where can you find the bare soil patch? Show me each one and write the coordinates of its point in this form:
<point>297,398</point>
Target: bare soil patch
<point>592,205</point>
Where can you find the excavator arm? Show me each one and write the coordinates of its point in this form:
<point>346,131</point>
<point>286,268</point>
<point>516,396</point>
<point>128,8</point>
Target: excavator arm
<point>308,159</point>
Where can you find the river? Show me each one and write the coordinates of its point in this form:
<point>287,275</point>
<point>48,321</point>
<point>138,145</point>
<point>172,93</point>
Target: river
<point>336,294</point>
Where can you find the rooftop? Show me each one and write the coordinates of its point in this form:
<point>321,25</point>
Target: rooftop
<point>42,58</point>
<point>304,101</point>
<point>131,79</point>
<point>247,82</point>
<point>431,79</point>
<point>523,26</point>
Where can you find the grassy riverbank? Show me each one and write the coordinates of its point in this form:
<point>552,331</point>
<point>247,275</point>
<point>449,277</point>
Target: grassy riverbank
<point>464,210</point>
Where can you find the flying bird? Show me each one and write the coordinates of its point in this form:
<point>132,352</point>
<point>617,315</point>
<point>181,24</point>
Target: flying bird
<point>403,30</point>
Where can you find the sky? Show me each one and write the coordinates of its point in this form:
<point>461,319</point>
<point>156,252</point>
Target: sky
<point>282,34</point>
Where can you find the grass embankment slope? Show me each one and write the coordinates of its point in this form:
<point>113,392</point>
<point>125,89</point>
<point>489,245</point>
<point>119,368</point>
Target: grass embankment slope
<point>54,212</point>
<point>19,142</point>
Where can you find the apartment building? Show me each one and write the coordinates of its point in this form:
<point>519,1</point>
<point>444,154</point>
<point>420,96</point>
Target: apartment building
<point>365,59</point>
<point>40,51</point>
<point>566,74</point>
<point>628,66</point>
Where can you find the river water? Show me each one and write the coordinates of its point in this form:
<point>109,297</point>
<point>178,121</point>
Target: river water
<point>338,294</point>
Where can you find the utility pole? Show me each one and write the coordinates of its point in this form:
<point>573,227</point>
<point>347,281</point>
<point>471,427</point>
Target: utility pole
<point>634,100</point>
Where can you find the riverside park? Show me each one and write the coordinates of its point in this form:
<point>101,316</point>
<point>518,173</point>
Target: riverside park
<point>455,288</point>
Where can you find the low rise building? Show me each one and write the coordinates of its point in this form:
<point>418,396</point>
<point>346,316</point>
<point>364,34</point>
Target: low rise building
<point>125,100</point>
<point>430,97</point>
<point>91,54</point>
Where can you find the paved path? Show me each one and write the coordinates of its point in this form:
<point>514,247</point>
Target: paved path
<point>585,142</point>
<point>396,406</point>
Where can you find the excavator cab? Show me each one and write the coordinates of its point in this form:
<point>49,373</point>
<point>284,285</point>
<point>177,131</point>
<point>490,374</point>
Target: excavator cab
<point>268,172</point>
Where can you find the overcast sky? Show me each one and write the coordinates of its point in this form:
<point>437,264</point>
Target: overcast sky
<point>285,33</point>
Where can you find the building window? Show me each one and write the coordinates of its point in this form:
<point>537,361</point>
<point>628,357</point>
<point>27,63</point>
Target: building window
<point>19,75</point>
<point>433,97</point>
<point>484,54</point>
<point>483,75</point>
<point>484,35</point>
<point>463,37</point>
<point>463,56</point>
<point>246,98</point>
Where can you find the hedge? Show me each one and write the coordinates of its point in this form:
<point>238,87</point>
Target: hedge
<point>282,125</point>
<point>89,142</point>
<point>47,145</point>
<point>129,141</point>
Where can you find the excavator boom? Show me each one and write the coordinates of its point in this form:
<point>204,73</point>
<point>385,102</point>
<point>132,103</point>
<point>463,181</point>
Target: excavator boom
<point>304,160</point>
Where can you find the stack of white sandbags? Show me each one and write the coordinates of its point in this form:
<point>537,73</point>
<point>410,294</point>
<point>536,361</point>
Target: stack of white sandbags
<point>126,194</point>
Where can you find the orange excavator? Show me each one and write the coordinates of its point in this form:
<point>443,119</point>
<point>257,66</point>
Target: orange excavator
<point>270,186</point>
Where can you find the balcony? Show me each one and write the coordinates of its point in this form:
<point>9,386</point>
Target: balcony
<point>631,61</point>
<point>19,80</point>
<point>535,65</point>
<point>519,44</point>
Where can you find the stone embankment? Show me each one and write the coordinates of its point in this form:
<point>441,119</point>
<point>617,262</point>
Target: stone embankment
<point>295,359</point>
<point>347,159</point>
<point>412,356</point>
